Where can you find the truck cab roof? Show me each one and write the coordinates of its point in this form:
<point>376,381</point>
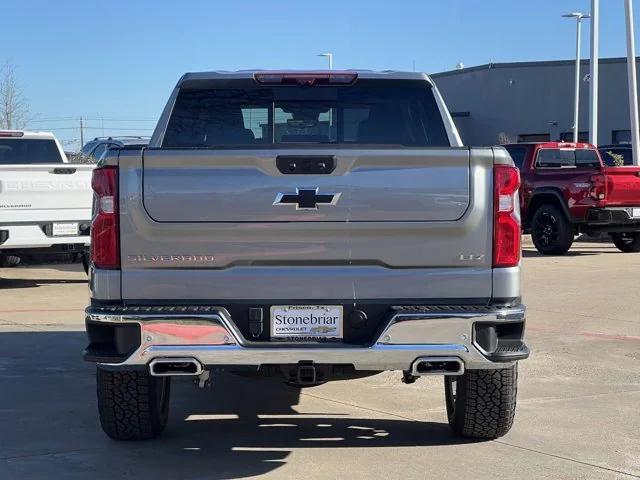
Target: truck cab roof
<point>553,145</point>
<point>251,73</point>
<point>337,76</point>
<point>124,139</point>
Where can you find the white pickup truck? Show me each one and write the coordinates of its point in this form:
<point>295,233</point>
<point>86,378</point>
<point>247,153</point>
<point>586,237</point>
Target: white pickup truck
<point>45,201</point>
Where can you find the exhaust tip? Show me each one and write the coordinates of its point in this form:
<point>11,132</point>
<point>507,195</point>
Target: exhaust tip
<point>171,367</point>
<point>437,366</point>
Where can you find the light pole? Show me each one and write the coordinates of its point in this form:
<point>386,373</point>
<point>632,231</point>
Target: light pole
<point>576,106</point>
<point>329,55</point>
<point>633,81</point>
<point>595,58</point>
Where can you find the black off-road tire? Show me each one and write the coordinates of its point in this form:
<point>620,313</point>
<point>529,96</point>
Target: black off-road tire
<point>551,231</point>
<point>133,405</point>
<point>627,242</point>
<point>481,404</point>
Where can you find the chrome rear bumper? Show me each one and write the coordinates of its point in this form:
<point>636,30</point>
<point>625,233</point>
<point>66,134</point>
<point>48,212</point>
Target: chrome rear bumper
<point>208,335</point>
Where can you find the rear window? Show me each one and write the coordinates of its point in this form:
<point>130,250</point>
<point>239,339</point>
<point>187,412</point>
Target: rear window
<point>567,158</point>
<point>22,151</point>
<point>617,157</point>
<point>369,112</point>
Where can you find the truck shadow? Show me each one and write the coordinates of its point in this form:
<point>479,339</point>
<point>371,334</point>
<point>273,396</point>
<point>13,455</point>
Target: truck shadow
<point>533,253</point>
<point>237,428</point>
<point>35,282</point>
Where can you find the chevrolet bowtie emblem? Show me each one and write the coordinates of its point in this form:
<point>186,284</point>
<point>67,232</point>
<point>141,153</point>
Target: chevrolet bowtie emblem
<point>307,199</point>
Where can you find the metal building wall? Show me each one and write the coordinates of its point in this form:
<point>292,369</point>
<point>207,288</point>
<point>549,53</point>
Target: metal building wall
<point>498,101</point>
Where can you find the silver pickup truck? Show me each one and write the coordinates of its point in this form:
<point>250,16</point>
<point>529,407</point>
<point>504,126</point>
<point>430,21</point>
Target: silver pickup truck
<point>311,225</point>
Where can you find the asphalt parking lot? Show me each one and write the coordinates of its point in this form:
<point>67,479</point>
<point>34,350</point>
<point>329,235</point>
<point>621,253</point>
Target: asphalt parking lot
<point>578,405</point>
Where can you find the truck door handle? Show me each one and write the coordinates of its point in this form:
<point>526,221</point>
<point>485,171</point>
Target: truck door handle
<point>63,171</point>
<point>306,164</point>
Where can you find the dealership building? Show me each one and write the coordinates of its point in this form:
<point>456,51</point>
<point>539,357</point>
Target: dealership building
<point>533,101</point>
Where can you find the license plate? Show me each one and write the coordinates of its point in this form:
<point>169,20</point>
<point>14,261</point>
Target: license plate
<point>65,229</point>
<point>306,322</point>
<point>635,213</point>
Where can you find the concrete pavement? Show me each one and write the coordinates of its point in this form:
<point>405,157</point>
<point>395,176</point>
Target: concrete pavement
<point>578,405</point>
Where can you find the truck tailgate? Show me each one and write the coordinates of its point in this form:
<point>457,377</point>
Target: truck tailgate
<point>207,224</point>
<point>371,186</point>
<point>623,186</point>
<point>40,193</point>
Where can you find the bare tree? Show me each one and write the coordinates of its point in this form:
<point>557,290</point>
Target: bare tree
<point>13,106</point>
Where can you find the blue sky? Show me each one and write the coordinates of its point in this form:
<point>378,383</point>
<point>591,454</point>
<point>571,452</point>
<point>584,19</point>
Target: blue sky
<point>118,60</point>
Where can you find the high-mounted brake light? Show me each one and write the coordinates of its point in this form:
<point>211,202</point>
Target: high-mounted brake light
<point>105,231</point>
<point>305,78</point>
<point>506,216</point>
<point>11,133</point>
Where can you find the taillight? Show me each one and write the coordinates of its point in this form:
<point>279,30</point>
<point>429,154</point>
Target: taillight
<point>105,237</point>
<point>598,189</point>
<point>506,216</point>
<point>305,78</point>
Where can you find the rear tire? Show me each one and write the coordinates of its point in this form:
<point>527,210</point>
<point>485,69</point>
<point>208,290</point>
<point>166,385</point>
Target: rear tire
<point>627,242</point>
<point>482,403</point>
<point>551,232</point>
<point>132,404</point>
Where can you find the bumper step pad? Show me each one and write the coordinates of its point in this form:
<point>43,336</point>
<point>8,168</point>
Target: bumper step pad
<point>508,351</point>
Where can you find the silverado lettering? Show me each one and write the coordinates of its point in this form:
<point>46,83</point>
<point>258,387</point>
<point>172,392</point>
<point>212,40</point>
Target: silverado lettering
<point>170,258</point>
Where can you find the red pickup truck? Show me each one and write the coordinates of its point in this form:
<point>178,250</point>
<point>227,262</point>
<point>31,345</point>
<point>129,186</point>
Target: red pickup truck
<point>567,190</point>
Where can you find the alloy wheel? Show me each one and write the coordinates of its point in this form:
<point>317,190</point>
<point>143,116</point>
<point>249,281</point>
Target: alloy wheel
<point>546,229</point>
